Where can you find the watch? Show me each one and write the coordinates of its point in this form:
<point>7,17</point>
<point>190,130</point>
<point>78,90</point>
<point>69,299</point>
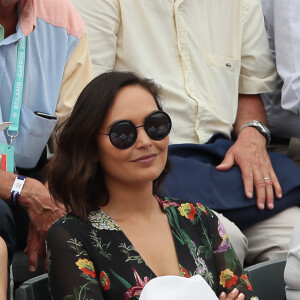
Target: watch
<point>260,127</point>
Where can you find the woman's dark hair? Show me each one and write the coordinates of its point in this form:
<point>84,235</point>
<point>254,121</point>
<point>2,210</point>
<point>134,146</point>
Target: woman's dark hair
<point>74,176</point>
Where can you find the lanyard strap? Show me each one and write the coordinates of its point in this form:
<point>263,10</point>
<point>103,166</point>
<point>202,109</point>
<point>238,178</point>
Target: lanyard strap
<point>16,101</point>
<point>1,33</point>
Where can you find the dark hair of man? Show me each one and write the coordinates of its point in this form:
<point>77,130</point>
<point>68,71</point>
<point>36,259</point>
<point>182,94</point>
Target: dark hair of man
<point>75,177</point>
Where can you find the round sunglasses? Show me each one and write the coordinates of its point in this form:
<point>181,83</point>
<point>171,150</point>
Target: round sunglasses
<point>123,134</point>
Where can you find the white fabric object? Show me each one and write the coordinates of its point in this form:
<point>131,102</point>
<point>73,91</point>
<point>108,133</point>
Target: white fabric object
<point>178,288</point>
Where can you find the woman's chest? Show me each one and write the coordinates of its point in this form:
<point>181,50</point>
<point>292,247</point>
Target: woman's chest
<point>125,265</point>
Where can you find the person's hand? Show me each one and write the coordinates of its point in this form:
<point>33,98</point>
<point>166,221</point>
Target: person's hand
<point>250,154</point>
<point>35,248</point>
<point>234,294</point>
<point>42,212</point>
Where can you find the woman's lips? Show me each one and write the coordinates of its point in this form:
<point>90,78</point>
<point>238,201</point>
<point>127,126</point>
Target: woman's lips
<point>146,158</point>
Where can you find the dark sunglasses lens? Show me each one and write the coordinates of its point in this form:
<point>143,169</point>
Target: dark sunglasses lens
<point>123,134</point>
<point>158,125</point>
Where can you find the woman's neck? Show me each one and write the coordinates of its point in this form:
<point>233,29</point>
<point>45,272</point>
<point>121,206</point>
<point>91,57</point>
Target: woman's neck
<point>8,17</point>
<point>125,202</point>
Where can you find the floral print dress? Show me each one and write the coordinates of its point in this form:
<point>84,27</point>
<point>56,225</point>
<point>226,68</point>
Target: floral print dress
<point>95,260</point>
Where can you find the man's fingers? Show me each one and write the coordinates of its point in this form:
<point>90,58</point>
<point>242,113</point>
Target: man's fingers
<point>227,163</point>
<point>248,179</point>
<point>276,184</point>
<point>269,191</point>
<point>32,248</point>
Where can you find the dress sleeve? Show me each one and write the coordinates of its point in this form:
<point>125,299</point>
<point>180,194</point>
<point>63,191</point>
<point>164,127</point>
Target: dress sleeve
<point>71,271</point>
<point>229,270</point>
<point>102,18</point>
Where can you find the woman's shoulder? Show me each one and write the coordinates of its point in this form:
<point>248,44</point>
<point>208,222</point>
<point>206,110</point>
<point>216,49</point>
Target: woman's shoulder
<point>67,219</point>
<point>186,208</point>
<point>69,223</point>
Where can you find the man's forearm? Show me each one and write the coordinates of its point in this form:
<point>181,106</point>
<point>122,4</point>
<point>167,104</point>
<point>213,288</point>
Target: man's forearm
<point>6,182</point>
<point>250,107</point>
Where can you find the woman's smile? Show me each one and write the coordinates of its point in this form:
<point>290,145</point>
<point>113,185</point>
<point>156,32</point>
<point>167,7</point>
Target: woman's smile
<point>146,159</point>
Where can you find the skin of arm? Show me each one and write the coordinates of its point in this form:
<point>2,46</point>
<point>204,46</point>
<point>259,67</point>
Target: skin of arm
<point>3,269</point>
<point>250,154</point>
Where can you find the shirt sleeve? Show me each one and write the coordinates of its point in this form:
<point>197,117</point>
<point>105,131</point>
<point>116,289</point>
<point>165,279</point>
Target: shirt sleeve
<point>77,75</point>
<point>287,47</point>
<point>102,19</point>
<point>258,72</point>
<point>228,267</point>
<point>292,268</point>
<point>70,269</point>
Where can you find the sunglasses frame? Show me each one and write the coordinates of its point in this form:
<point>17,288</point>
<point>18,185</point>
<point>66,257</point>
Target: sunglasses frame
<point>134,129</point>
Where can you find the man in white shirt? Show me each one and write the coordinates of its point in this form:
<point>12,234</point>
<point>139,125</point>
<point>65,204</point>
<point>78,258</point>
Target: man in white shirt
<point>212,60</point>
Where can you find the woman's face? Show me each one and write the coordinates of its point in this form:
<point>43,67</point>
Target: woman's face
<point>145,159</point>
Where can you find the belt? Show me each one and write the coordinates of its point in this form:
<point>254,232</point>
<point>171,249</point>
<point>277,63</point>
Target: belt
<point>279,140</point>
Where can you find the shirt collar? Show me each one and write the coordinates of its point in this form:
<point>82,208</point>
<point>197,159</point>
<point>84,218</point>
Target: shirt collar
<point>28,16</point>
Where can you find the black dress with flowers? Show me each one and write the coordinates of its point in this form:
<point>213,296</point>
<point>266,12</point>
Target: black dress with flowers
<point>95,260</point>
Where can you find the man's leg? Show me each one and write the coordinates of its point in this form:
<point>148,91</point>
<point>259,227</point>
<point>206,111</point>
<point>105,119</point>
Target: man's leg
<point>291,149</point>
<point>269,239</point>
<point>237,239</point>
<point>294,150</point>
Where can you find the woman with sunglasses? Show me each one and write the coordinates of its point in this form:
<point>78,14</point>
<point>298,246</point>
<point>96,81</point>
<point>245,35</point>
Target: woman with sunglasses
<point>118,234</point>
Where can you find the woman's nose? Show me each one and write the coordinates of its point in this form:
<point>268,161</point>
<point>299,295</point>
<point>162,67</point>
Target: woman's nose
<point>143,140</point>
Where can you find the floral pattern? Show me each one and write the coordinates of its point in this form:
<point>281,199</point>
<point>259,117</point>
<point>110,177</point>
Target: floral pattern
<point>102,221</point>
<point>136,290</point>
<point>86,267</point>
<point>228,279</point>
<point>104,281</point>
<point>187,210</point>
<point>107,266</point>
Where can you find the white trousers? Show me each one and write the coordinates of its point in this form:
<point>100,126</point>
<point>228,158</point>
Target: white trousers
<point>265,240</point>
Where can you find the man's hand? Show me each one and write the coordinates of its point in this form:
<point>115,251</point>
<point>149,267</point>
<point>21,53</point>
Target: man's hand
<point>42,212</point>
<point>250,154</point>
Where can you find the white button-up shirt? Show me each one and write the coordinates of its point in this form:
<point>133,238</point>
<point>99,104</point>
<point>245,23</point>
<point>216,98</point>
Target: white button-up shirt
<point>202,52</point>
<point>283,27</point>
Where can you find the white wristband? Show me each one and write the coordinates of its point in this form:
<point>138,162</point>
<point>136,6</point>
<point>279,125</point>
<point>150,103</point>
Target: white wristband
<point>17,188</point>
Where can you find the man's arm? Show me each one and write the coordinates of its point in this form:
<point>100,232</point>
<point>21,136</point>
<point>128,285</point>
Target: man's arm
<point>42,211</point>
<point>35,196</point>
<point>77,74</point>
<point>250,154</point>
<point>102,19</point>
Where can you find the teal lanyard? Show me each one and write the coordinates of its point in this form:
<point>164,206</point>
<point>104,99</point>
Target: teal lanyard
<point>17,96</point>
<point>1,33</point>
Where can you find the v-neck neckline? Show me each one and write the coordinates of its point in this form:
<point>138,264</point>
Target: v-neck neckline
<point>110,224</point>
